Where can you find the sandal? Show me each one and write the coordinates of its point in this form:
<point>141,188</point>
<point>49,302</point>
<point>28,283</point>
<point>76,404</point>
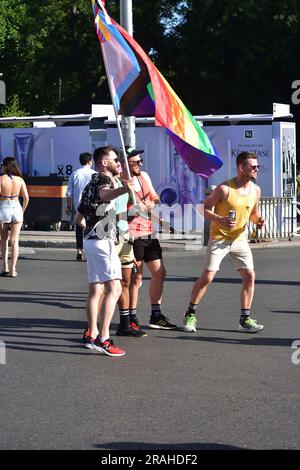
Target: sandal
<point>4,274</point>
<point>13,273</point>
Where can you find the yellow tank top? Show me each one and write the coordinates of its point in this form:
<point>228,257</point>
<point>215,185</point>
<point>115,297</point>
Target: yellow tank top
<point>242,205</point>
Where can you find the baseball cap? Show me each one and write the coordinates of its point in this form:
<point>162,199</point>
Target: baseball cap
<point>132,152</point>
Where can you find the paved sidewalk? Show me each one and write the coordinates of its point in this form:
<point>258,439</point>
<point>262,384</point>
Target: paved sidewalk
<point>66,239</point>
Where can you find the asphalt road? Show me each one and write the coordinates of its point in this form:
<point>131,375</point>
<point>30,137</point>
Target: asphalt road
<point>215,389</point>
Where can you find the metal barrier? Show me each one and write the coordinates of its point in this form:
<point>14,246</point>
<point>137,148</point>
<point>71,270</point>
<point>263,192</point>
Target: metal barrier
<point>297,228</point>
<point>281,220</point>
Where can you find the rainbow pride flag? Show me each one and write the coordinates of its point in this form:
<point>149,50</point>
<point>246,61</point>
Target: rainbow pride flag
<point>122,65</point>
<point>149,94</point>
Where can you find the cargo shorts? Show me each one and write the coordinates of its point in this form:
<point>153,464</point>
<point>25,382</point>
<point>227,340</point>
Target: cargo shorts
<point>238,250</point>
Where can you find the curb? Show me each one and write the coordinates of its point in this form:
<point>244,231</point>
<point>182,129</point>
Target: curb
<point>47,244</point>
<point>167,247</point>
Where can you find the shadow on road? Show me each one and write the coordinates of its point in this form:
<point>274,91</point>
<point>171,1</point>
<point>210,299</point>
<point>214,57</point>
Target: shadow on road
<point>14,330</point>
<point>12,324</point>
<point>255,340</point>
<point>292,312</point>
<point>55,299</point>
<point>24,256</point>
<point>51,331</point>
<point>155,446</point>
<point>224,280</point>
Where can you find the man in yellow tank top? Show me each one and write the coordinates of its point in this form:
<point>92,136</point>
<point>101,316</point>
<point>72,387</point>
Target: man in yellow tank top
<point>234,202</point>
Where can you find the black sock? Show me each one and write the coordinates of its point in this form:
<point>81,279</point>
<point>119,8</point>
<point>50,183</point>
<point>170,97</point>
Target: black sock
<point>124,317</point>
<point>132,313</point>
<point>191,308</point>
<point>155,310</point>
<point>245,314</point>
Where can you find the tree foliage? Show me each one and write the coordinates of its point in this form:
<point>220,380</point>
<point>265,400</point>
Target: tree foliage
<point>236,56</point>
<point>228,56</point>
<point>50,54</point>
<point>12,108</point>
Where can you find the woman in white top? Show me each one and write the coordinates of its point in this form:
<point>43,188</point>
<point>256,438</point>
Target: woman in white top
<point>12,186</point>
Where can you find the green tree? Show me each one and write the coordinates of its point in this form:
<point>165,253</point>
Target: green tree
<point>13,109</point>
<point>236,56</point>
<point>50,54</point>
<point>228,56</point>
<point>51,57</point>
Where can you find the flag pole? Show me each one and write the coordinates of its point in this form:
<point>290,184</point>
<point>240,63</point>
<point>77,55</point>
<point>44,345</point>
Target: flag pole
<point>127,122</point>
<point>115,109</point>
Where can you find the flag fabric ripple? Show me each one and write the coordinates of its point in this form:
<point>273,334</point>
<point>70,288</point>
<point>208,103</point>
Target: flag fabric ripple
<point>122,65</point>
<point>150,94</point>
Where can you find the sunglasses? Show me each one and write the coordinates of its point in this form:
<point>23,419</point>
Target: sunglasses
<point>137,162</point>
<point>255,167</point>
<point>116,160</point>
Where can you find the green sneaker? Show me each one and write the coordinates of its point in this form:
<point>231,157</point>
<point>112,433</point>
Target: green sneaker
<point>189,322</point>
<point>250,326</point>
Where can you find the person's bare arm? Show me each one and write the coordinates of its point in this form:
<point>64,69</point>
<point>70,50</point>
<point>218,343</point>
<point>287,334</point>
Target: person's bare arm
<point>220,193</point>
<point>255,215</point>
<point>25,196</point>
<point>108,194</point>
<point>79,220</point>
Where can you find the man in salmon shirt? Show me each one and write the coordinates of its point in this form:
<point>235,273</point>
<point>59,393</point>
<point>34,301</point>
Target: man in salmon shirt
<point>146,246</point>
<point>235,202</point>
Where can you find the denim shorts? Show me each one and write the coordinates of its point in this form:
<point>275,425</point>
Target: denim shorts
<point>10,211</point>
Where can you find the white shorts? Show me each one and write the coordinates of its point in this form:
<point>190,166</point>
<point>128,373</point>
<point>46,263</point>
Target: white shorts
<point>238,250</point>
<point>103,262</point>
<point>11,211</point>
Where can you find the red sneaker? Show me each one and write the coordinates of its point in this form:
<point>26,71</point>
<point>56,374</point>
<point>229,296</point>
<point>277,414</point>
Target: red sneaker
<point>134,324</point>
<point>107,347</point>
<point>86,333</point>
<point>87,339</point>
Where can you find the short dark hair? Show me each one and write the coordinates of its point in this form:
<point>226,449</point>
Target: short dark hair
<point>85,158</point>
<point>101,152</point>
<point>244,156</point>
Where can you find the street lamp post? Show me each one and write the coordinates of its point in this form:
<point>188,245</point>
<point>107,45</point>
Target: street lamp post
<point>2,91</point>
<point>126,20</point>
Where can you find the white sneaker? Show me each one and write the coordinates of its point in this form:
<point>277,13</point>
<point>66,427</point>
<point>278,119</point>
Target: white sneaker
<point>250,326</point>
<point>189,323</point>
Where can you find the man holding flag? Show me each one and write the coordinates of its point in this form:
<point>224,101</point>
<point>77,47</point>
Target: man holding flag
<point>146,246</point>
<point>97,215</point>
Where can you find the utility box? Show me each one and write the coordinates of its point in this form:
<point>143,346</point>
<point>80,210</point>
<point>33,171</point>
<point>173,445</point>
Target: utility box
<point>47,201</point>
